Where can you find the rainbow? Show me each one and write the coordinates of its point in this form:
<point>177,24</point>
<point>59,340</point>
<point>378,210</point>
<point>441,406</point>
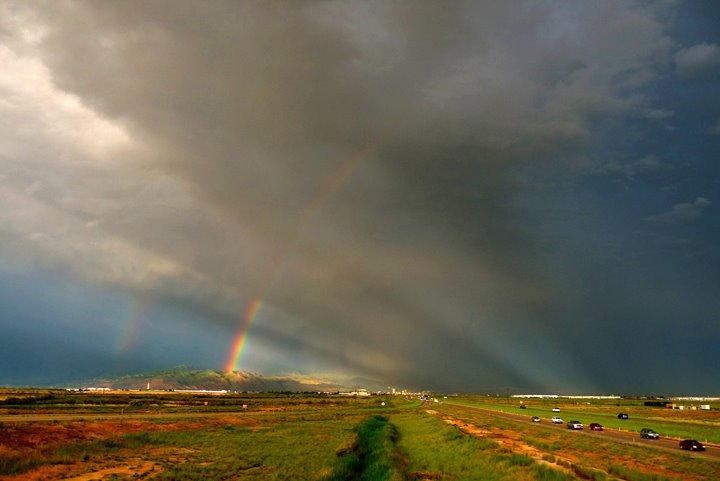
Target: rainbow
<point>131,326</point>
<point>239,343</point>
<point>333,183</point>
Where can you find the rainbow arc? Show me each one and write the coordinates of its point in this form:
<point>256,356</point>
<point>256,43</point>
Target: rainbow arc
<point>331,186</point>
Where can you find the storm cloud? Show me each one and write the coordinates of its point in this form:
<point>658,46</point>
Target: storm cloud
<point>386,176</point>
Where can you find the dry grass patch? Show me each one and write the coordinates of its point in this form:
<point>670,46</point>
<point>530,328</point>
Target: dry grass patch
<point>510,440</point>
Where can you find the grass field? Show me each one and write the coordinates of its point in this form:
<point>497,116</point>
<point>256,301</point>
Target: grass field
<point>309,437</point>
<point>693,424</point>
<point>590,457</point>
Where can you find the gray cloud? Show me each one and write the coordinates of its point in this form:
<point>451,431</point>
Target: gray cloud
<point>715,129</point>
<point>658,114</point>
<point>699,60</point>
<point>680,213</point>
<point>632,169</point>
<point>358,165</point>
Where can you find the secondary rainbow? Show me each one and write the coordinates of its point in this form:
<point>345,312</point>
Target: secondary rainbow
<point>332,184</point>
<point>131,325</point>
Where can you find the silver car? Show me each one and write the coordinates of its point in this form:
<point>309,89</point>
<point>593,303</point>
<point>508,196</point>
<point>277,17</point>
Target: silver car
<point>649,434</point>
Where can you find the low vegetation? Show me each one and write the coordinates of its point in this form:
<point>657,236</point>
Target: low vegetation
<point>373,456</point>
<point>309,437</point>
<point>686,424</point>
<point>590,457</point>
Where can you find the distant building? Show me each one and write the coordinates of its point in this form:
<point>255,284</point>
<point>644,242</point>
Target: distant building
<point>358,392</point>
<point>555,396</point>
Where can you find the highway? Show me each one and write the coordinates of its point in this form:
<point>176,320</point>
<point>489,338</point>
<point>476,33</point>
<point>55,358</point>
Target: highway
<point>712,452</point>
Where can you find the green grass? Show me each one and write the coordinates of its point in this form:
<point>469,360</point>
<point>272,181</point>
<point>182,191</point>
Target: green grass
<point>292,449</point>
<point>373,457</point>
<point>606,414</point>
<point>308,439</point>
<point>624,473</point>
<point>437,450</point>
<point>595,455</point>
<point>58,401</point>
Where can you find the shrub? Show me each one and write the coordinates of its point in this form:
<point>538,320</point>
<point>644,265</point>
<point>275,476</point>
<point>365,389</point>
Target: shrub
<point>549,458</point>
<point>630,475</point>
<point>17,464</point>
<point>373,456</point>
<point>589,473</point>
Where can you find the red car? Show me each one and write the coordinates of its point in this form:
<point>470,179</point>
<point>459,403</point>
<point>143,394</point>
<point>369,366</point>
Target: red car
<point>692,445</point>
<point>595,427</point>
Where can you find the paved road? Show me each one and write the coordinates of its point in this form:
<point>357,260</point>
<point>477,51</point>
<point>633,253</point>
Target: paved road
<point>712,452</point>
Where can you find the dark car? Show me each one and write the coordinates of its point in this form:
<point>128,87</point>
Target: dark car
<point>623,416</point>
<point>649,434</point>
<point>595,427</point>
<point>692,445</point>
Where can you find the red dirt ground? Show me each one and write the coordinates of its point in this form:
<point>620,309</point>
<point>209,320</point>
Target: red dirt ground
<point>43,439</point>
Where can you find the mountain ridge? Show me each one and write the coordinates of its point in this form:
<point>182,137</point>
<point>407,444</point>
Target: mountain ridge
<point>190,378</point>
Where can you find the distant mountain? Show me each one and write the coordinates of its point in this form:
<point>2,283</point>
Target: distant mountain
<point>183,377</point>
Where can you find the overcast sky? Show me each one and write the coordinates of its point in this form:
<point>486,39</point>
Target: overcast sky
<point>472,196</point>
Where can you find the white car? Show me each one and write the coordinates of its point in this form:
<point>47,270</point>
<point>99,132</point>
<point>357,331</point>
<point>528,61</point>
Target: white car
<point>574,425</point>
<point>556,410</point>
<point>557,420</point>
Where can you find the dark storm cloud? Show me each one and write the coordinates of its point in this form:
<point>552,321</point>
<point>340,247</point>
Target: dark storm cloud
<point>362,166</point>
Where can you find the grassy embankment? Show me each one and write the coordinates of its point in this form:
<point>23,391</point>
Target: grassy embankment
<point>704,426</point>
<point>373,456</point>
<point>592,457</point>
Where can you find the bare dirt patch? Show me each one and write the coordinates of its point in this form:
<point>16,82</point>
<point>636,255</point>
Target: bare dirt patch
<point>94,470</point>
<point>43,442</point>
<point>125,471</point>
<point>428,476</point>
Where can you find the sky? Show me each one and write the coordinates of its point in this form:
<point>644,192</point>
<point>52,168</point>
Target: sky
<point>461,196</point>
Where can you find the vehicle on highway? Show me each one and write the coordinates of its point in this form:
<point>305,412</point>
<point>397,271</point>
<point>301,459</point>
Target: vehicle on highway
<point>623,416</point>
<point>535,419</point>
<point>692,445</point>
<point>648,433</point>
<point>556,410</point>
<point>574,425</point>
<point>595,427</point>
<point>556,420</point>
